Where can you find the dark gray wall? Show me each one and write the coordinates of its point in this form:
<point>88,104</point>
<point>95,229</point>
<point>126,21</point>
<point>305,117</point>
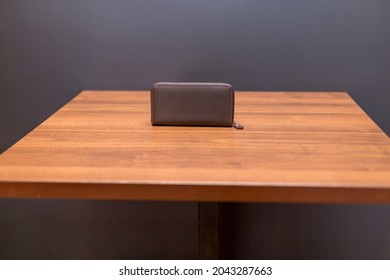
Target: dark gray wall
<point>305,231</point>
<point>84,229</point>
<point>50,50</point>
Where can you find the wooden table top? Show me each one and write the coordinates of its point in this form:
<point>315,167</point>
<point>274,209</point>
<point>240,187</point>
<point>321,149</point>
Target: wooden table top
<point>312,147</point>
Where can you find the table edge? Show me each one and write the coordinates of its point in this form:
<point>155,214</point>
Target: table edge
<point>193,192</point>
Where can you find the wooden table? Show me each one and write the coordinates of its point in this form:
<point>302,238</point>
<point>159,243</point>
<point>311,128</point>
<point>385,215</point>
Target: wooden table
<point>308,147</point>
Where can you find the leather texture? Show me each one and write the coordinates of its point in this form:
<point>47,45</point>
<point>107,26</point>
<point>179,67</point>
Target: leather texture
<point>196,104</point>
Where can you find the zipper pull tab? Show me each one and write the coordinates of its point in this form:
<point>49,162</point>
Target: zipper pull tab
<point>237,126</point>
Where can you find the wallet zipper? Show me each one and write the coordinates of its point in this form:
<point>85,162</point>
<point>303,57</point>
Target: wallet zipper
<point>237,125</point>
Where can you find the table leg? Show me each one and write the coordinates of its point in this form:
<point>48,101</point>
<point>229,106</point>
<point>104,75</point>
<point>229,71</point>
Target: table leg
<point>208,219</point>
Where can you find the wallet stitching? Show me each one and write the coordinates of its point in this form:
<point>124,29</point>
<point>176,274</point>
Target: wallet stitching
<point>195,86</point>
<point>232,105</point>
<point>222,85</point>
<point>152,101</point>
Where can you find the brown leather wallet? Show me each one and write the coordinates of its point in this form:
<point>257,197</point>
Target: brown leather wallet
<point>195,104</point>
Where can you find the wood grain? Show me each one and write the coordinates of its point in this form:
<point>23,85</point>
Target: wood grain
<point>296,147</point>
